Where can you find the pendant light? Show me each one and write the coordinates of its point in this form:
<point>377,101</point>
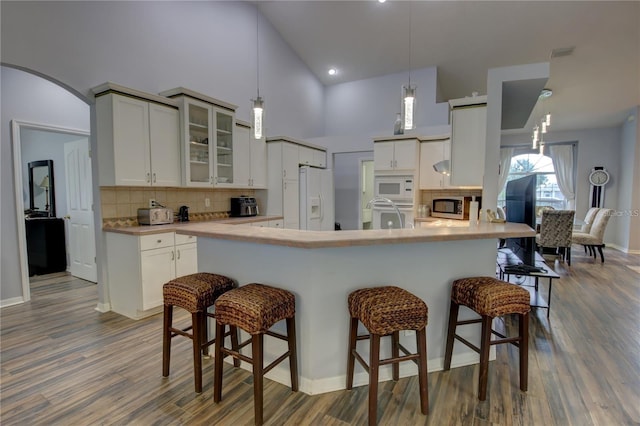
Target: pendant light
<point>409,93</point>
<point>545,121</point>
<point>258,102</point>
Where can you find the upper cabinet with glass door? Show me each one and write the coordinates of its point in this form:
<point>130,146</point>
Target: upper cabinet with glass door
<point>208,126</point>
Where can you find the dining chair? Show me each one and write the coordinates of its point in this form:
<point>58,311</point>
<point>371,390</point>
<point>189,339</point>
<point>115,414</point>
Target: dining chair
<point>556,228</point>
<point>586,225</point>
<point>594,239</point>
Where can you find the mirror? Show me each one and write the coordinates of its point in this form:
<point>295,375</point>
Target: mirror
<point>41,189</point>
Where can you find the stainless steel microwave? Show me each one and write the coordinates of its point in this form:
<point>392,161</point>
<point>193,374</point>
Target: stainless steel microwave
<point>452,207</point>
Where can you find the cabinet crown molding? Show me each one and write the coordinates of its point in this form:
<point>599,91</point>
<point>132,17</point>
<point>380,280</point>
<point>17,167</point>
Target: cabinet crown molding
<point>109,87</point>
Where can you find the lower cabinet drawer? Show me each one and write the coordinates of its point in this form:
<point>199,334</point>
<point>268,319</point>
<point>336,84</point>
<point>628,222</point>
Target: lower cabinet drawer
<point>148,242</point>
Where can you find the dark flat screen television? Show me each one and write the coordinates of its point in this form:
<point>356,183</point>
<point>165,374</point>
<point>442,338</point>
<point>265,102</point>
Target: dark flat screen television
<point>520,203</point>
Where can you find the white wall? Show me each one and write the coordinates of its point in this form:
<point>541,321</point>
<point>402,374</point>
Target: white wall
<point>596,147</point>
<point>152,46</point>
<point>628,230</point>
<point>28,98</point>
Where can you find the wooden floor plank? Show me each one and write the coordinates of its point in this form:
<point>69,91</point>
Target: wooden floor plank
<point>62,362</point>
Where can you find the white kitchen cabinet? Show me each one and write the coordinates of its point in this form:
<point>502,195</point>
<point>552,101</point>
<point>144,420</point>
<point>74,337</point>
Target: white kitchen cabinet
<point>208,127</point>
<point>138,267</point>
<point>468,141</point>
<point>138,141</point>
<point>432,152</point>
<point>312,157</point>
<point>250,158</point>
<point>186,257</point>
<point>396,155</point>
<point>157,267</point>
<point>291,204</point>
<point>290,160</point>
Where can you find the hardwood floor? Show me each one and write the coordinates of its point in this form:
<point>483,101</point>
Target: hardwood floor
<point>64,363</point>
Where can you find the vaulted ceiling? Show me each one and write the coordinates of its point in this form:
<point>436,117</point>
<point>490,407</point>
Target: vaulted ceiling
<point>595,86</point>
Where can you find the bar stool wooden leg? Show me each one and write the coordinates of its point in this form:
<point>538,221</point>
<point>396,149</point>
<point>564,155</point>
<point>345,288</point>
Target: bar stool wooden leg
<point>421,344</point>
<point>485,341</point>
<point>523,349</point>
<point>257,355</point>
<point>217,365</point>
<point>293,353</point>
<point>453,320</point>
<point>395,353</point>
<point>196,319</point>
<point>351,359</point>
<point>234,342</point>
<point>166,339</point>
<point>374,364</point>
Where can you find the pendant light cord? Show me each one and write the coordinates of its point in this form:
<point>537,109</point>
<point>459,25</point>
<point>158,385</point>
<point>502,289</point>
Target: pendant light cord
<point>410,44</point>
<point>257,50</point>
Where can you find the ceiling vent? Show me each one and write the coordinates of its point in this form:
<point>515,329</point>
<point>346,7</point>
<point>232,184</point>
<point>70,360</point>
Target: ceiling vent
<point>562,51</point>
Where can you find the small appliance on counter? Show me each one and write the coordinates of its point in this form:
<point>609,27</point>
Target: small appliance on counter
<point>453,207</point>
<point>183,214</point>
<point>243,206</point>
<point>155,216</point>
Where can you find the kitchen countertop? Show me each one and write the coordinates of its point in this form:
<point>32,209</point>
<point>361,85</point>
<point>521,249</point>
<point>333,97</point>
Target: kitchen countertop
<point>172,227</point>
<point>424,232</point>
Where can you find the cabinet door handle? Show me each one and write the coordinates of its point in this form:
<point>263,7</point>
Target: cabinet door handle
<point>158,241</point>
<point>284,173</point>
<point>178,254</point>
<point>210,179</point>
<point>173,255</point>
<point>148,177</point>
<point>391,163</point>
<point>154,178</point>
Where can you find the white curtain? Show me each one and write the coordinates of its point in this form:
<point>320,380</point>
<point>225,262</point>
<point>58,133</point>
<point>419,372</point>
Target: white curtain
<point>562,157</point>
<point>505,165</point>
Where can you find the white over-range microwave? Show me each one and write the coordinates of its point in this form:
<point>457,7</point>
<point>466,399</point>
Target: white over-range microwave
<point>396,188</point>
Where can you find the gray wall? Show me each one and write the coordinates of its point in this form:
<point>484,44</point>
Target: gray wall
<point>346,179</point>
<point>152,46</point>
<point>209,47</point>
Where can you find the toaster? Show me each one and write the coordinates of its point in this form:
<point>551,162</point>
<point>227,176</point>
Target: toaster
<point>155,216</point>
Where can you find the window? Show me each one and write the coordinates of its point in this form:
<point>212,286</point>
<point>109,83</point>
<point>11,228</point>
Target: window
<point>547,191</point>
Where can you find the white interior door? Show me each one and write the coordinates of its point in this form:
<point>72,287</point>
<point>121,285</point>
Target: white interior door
<point>81,245</point>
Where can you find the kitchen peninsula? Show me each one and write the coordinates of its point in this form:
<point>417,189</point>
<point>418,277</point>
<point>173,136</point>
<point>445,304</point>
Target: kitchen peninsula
<point>323,267</point>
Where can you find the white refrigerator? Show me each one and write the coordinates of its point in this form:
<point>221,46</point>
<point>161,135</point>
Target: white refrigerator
<point>316,199</point>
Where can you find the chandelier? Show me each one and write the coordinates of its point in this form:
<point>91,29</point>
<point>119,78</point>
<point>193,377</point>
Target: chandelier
<point>542,125</point>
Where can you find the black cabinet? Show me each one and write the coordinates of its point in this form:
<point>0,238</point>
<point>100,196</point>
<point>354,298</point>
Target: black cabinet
<point>46,248</point>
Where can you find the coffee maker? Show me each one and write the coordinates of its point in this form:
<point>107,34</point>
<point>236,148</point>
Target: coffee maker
<point>183,214</point>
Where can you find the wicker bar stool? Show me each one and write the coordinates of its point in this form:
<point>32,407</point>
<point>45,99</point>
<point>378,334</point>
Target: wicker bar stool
<point>255,308</point>
<point>193,293</point>
<point>385,311</point>
<point>490,297</point>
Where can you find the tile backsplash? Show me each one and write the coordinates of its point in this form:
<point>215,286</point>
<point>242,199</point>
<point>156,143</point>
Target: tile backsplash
<point>118,202</point>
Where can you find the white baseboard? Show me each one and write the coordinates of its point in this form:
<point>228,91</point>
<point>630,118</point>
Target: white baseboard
<point>103,307</point>
<point>622,249</point>
<point>282,375</point>
<point>11,302</point>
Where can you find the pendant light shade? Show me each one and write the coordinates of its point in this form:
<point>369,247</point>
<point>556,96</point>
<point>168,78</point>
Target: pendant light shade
<point>258,111</point>
<point>408,106</point>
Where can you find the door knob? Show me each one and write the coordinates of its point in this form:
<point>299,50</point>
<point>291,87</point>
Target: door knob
<point>67,216</point>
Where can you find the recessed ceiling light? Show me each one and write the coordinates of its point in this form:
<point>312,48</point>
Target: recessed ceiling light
<point>381,1</point>
<point>333,71</point>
